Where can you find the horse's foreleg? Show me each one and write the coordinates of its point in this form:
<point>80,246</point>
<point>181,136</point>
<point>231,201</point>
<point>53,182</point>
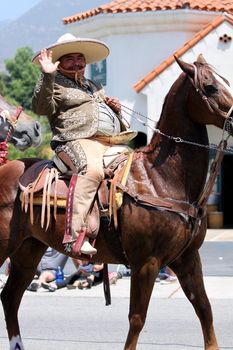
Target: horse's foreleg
<point>23,267</point>
<point>142,282</point>
<point>189,273</point>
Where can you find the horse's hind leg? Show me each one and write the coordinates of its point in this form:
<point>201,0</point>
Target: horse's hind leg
<point>189,272</point>
<point>23,267</point>
<point>142,283</point>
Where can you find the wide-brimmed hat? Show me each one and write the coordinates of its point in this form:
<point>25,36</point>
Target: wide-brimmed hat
<point>93,50</point>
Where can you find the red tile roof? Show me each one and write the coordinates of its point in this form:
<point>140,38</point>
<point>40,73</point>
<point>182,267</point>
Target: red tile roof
<point>122,6</point>
<point>199,36</point>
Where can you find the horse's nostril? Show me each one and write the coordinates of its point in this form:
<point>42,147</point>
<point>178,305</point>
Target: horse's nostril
<point>37,128</point>
<point>37,125</point>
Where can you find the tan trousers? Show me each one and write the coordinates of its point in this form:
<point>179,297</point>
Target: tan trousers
<point>94,151</point>
<point>86,157</point>
<point>88,183</point>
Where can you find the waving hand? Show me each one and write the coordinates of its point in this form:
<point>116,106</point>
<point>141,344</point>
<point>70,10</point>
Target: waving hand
<point>45,59</point>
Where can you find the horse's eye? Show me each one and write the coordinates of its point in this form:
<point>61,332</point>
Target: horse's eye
<point>210,90</point>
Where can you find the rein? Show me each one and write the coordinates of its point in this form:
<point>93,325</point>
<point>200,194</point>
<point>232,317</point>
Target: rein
<point>215,166</point>
<point>14,123</point>
<point>3,144</point>
<point>178,139</point>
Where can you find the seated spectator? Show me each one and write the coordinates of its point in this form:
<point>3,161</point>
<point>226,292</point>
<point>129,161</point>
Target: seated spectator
<point>166,276</point>
<point>87,275</point>
<point>114,276</point>
<point>3,279</point>
<point>46,270</point>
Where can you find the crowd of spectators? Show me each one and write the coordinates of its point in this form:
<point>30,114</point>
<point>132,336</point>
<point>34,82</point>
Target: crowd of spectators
<point>86,274</point>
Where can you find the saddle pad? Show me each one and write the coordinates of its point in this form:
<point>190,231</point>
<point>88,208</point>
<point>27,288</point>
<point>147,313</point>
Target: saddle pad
<point>34,174</point>
<point>46,190</point>
<point>38,200</point>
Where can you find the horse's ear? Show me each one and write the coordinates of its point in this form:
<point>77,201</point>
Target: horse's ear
<point>186,67</point>
<point>201,59</point>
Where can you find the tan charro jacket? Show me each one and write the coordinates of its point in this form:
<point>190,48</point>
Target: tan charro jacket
<point>72,112</point>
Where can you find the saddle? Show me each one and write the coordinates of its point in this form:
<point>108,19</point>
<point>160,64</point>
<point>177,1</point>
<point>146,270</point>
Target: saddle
<point>47,184</point>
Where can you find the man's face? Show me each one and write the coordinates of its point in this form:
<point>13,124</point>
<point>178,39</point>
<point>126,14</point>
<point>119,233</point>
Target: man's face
<point>74,62</point>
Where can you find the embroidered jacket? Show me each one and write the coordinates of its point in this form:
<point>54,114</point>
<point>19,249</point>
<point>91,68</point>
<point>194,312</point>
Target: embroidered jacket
<point>72,111</point>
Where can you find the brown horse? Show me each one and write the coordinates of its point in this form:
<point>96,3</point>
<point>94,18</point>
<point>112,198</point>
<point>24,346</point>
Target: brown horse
<point>158,224</point>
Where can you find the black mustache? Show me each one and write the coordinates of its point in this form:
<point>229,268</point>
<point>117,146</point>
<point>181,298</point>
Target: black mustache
<point>76,68</point>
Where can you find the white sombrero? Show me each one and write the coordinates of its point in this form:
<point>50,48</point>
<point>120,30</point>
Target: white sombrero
<point>93,50</point>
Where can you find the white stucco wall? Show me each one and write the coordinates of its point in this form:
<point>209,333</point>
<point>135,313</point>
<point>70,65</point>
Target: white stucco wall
<point>217,53</point>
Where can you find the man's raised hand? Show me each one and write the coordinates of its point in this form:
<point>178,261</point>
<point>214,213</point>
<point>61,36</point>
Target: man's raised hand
<point>45,59</point>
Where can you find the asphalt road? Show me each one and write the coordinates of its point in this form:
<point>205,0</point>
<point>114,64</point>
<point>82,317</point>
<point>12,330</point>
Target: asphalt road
<point>217,258</point>
<point>58,323</point>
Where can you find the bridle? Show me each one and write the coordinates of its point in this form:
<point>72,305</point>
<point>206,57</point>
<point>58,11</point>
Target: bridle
<point>195,82</point>
<point>4,144</point>
<point>7,123</point>
<point>12,123</point>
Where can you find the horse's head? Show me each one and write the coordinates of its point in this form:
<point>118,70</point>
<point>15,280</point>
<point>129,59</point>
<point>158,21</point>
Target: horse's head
<point>24,133</point>
<point>210,99</point>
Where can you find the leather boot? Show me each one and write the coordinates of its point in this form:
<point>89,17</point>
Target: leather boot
<point>87,248</point>
<point>84,194</point>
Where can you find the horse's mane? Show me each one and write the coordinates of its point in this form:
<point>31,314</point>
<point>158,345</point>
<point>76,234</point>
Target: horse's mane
<point>172,88</point>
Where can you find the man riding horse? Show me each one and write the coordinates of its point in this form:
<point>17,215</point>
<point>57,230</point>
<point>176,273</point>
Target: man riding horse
<point>84,122</point>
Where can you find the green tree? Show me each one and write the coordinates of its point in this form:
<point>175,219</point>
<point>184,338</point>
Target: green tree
<point>2,83</point>
<point>20,78</point>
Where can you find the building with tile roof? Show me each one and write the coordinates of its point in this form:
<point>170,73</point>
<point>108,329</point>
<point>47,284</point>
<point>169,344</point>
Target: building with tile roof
<point>133,6</point>
<point>144,35</point>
